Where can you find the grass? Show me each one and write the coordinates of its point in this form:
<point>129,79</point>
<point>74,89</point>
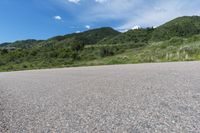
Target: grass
<point>175,49</point>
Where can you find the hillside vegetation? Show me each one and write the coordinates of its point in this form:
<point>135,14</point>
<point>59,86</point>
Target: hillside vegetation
<point>180,27</point>
<point>177,40</point>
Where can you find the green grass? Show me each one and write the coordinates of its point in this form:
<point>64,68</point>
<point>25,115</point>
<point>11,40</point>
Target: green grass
<point>177,40</point>
<point>175,49</point>
<point>161,52</point>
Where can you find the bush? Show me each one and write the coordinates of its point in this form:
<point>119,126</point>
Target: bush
<point>106,51</point>
<point>77,47</point>
<point>4,51</point>
<point>2,63</point>
<point>176,41</point>
<point>24,66</point>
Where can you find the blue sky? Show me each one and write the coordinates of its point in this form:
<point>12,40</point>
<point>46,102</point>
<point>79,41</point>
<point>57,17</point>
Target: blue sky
<point>37,19</point>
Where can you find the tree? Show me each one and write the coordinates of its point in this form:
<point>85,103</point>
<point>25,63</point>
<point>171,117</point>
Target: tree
<point>4,51</point>
<point>105,51</point>
<point>77,47</point>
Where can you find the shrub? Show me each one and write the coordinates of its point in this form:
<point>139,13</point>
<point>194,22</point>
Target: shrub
<point>176,41</point>
<point>77,47</point>
<point>4,51</point>
<point>2,63</point>
<point>24,66</point>
<point>106,51</point>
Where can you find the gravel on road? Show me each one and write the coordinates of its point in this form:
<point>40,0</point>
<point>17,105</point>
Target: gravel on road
<point>139,98</point>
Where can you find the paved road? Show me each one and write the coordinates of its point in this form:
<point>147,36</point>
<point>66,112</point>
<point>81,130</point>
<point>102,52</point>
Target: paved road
<point>123,98</point>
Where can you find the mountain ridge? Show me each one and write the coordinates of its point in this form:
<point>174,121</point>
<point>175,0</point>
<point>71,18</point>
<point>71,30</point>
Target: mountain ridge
<point>184,26</point>
<point>176,40</point>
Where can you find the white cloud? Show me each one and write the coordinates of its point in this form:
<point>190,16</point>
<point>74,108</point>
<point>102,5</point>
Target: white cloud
<point>125,14</point>
<point>109,10</point>
<point>101,1</point>
<point>122,30</point>
<point>74,1</point>
<point>162,12</point>
<point>57,17</point>
<point>87,27</point>
<point>136,27</point>
<point>78,31</point>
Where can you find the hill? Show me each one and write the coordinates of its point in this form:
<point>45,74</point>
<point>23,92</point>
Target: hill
<point>185,26</point>
<point>177,40</point>
<point>85,38</point>
<point>180,27</point>
<point>133,36</point>
<point>88,37</point>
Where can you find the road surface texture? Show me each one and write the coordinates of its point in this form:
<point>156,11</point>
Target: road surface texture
<point>141,98</point>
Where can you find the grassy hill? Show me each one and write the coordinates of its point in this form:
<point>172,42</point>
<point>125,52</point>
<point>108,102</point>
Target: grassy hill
<point>84,38</point>
<point>134,36</point>
<point>87,38</point>
<point>177,40</point>
<point>180,27</point>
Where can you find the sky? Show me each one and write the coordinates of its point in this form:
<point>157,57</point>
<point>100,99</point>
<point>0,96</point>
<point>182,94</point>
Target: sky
<point>42,19</point>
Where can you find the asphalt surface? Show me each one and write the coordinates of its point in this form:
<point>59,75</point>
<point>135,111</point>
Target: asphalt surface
<point>137,98</point>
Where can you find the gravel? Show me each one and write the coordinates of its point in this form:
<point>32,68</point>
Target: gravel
<point>140,98</point>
